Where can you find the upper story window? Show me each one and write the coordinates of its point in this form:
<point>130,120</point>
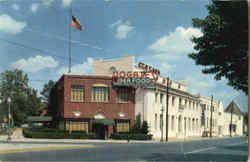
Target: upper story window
<point>180,101</point>
<point>219,113</point>
<point>173,100</point>
<point>185,103</point>
<point>100,93</point>
<point>122,94</point>
<point>161,98</point>
<point>189,104</point>
<point>239,117</point>
<point>156,96</point>
<point>77,93</point>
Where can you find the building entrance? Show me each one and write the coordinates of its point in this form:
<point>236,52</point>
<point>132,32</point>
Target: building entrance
<point>101,131</point>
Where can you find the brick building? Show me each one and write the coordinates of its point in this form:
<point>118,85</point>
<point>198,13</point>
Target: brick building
<point>92,104</point>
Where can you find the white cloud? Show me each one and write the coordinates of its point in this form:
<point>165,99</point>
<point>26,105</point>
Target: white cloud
<point>9,25</point>
<point>47,2</point>
<point>172,45</point>
<point>34,7</point>
<point>200,85</point>
<point>166,68</point>
<point>66,3</point>
<point>84,68</point>
<point>15,7</point>
<point>122,29</point>
<point>35,64</point>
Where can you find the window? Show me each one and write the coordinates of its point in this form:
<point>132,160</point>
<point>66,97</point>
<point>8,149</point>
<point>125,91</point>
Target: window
<point>100,94</point>
<point>77,93</point>
<point>155,121</point>
<point>122,126</point>
<point>173,100</point>
<point>161,121</point>
<point>189,104</point>
<point>172,123</point>
<point>77,126</point>
<point>180,101</point>
<point>239,117</point>
<point>156,96</point>
<point>220,113</point>
<point>122,94</point>
<point>185,103</point>
<point>161,98</point>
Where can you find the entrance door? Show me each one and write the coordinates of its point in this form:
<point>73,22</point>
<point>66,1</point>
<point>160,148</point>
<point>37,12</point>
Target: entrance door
<point>101,131</point>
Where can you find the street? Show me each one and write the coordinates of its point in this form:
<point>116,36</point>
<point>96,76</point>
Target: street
<point>228,149</point>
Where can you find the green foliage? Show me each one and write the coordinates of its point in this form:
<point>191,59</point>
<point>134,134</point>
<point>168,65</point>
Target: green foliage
<point>144,128</point>
<point>49,133</point>
<point>131,136</point>
<point>46,91</point>
<point>223,47</point>
<point>24,99</point>
<point>140,128</point>
<point>245,118</point>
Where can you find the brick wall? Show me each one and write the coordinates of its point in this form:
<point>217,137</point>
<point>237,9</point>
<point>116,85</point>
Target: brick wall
<point>88,108</point>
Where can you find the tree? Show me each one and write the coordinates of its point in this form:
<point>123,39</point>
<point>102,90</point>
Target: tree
<point>24,99</point>
<point>145,127</point>
<point>137,125</point>
<point>46,91</point>
<point>222,48</point>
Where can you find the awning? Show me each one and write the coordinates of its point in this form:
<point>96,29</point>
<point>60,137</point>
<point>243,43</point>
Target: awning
<point>39,119</point>
<point>104,121</point>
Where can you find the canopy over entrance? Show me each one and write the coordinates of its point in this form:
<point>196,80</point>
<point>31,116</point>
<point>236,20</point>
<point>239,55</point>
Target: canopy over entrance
<point>104,121</point>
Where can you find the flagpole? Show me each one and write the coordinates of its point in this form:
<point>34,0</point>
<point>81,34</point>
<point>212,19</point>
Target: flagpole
<point>70,24</point>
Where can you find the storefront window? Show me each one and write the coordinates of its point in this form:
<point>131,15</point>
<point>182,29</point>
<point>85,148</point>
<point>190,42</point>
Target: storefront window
<point>122,126</point>
<point>77,126</point>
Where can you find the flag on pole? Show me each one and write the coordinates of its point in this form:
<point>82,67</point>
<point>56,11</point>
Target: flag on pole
<point>76,23</point>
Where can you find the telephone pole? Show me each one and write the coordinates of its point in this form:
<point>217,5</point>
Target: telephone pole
<point>167,111</point>
<point>211,117</point>
<point>70,24</point>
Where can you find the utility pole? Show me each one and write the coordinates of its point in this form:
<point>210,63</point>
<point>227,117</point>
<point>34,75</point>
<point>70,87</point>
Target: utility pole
<point>167,111</point>
<point>9,138</point>
<point>231,122</point>
<point>211,117</point>
<point>161,118</point>
<point>70,24</point>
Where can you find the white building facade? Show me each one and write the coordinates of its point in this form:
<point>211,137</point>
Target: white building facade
<point>188,115</point>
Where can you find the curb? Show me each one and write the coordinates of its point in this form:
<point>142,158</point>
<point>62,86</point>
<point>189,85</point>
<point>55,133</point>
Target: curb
<point>111,141</point>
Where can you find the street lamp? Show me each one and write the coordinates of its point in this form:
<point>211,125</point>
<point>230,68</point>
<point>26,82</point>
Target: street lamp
<point>162,109</point>
<point>9,101</point>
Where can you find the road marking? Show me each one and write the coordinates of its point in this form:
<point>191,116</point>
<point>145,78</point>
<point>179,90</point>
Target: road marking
<point>45,148</point>
<point>200,150</point>
<point>232,144</point>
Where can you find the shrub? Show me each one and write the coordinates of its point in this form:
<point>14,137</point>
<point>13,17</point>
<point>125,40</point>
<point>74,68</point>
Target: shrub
<point>131,136</point>
<point>56,134</point>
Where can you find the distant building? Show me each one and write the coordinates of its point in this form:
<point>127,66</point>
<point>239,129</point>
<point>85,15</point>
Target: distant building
<point>233,120</point>
<point>91,103</point>
<point>188,115</point>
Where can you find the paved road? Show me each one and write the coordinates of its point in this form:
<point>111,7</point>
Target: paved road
<point>234,149</point>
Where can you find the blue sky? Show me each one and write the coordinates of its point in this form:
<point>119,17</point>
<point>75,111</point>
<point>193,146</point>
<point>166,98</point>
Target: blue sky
<point>34,37</point>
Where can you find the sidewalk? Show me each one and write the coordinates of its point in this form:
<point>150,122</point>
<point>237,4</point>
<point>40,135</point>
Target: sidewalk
<point>17,136</point>
<point>23,139</point>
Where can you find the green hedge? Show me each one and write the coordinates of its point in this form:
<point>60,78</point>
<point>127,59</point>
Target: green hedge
<point>133,136</point>
<point>50,133</point>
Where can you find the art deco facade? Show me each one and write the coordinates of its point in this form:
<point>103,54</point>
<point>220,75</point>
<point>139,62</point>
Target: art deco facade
<point>92,104</point>
<point>188,115</point>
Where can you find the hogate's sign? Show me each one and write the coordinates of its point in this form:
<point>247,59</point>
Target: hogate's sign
<point>145,78</point>
<point>135,79</point>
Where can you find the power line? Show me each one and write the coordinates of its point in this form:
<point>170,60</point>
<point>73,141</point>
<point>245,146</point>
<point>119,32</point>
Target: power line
<point>35,49</point>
